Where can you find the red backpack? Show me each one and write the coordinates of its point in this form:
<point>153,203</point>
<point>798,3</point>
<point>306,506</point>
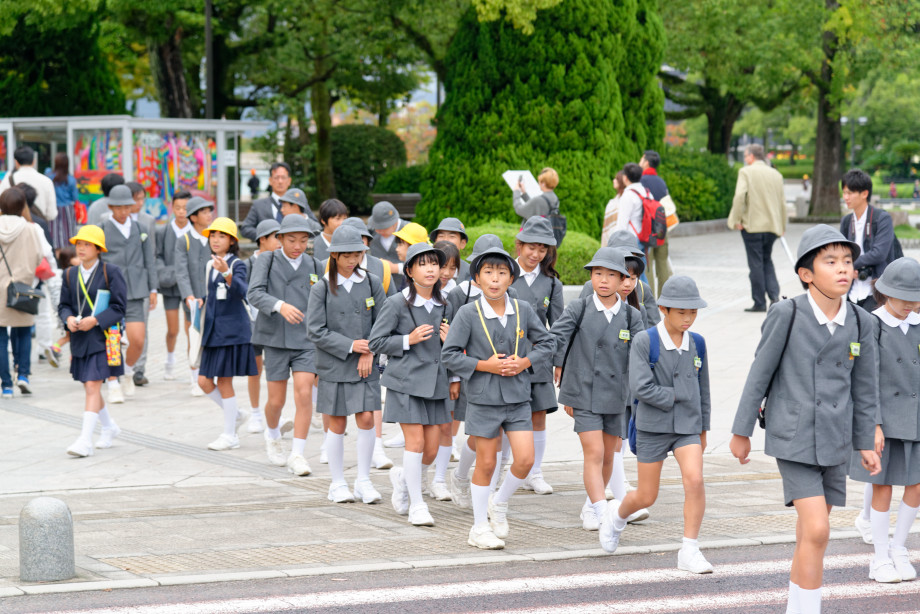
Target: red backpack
<point>654,222</point>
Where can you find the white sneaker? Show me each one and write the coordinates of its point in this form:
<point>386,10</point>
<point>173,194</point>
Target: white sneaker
<point>108,434</point>
<point>608,494</point>
<point>224,442</point>
<point>196,390</point>
<point>81,448</point>
<point>115,395</point>
<point>298,465</point>
<point>864,527</point>
<point>169,372</point>
<point>364,490</point>
<point>455,451</point>
<point>380,460</point>
<point>459,490</point>
<point>481,536</point>
<point>323,457</point>
<point>317,420</point>
<point>607,534</point>
<point>255,424</point>
<point>242,416</point>
<point>286,427</point>
<point>589,521</point>
<point>275,452</point>
<point>901,560</point>
<point>419,516</point>
<point>693,561</point>
<point>339,493</point>
<point>884,572</point>
<point>439,491</point>
<point>536,483</point>
<point>400,497</point>
<point>498,517</point>
<point>638,516</point>
<point>398,441</point>
<point>127,386</point>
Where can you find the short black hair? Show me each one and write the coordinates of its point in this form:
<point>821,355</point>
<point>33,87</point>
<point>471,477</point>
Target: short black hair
<point>266,237</point>
<point>633,172</point>
<point>331,208</point>
<point>493,260</point>
<point>857,180</point>
<point>24,155</point>
<point>110,181</point>
<point>808,260</point>
<point>276,165</point>
<point>651,156</point>
<point>182,195</point>
<point>136,188</point>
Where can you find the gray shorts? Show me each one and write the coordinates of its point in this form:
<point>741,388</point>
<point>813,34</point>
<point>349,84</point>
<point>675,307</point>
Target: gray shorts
<point>543,397</point>
<point>488,420</point>
<point>279,363</point>
<point>654,447</point>
<point>587,421</point>
<point>171,303</point>
<point>136,309</point>
<point>801,480</point>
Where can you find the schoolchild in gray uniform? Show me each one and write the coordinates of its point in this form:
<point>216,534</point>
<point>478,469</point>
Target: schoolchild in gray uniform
<point>294,201</point>
<point>539,285</point>
<point>192,257</point>
<point>451,229</point>
<point>484,348</point>
<point>331,215</point>
<point>281,286</point>
<point>383,222</point>
<point>897,434</point>
<point>822,382</point>
<point>410,330</point>
<point>341,313</point>
<point>267,240</point>
<point>672,414</point>
<point>626,241</point>
<point>593,339</point>
<point>167,237</point>
<point>132,248</point>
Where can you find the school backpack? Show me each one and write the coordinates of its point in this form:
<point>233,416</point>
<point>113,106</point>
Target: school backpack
<point>654,351</point>
<point>654,222</point>
<point>558,221</point>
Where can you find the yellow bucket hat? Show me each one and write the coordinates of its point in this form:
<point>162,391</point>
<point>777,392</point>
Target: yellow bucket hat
<point>90,234</point>
<point>412,233</point>
<point>224,225</point>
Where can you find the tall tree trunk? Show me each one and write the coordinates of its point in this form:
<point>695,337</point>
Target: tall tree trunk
<point>723,112</point>
<point>169,71</point>
<point>321,105</point>
<point>825,195</point>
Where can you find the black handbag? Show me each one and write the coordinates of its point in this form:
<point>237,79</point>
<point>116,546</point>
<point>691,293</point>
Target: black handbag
<point>19,296</point>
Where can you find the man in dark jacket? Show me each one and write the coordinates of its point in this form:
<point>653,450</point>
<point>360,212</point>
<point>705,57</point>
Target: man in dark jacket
<point>270,207</point>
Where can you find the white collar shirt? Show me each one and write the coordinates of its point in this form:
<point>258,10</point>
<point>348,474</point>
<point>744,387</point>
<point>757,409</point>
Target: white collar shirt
<point>420,301</point>
<point>201,238</point>
<point>489,313</point>
<point>294,262</point>
<point>668,344</point>
<point>608,313</point>
<point>387,242</point>
<point>124,229</point>
<point>823,320</point>
<point>531,276</point>
<point>861,288</point>
<point>347,282</point>
<point>179,231</point>
<point>87,273</point>
<point>468,286</point>
<point>885,316</point>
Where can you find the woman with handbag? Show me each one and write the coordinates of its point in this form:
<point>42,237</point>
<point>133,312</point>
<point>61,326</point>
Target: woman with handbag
<point>20,250</point>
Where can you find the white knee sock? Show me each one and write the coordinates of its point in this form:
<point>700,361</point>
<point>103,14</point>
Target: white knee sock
<point>412,473</point>
<point>618,477</point>
<point>792,605</point>
<point>467,457</point>
<point>497,474</point>
<point>335,453</point>
<point>539,448</point>
<point>214,395</point>
<point>810,601</point>
<point>440,463</point>
<point>89,424</point>
<point>230,413</point>
<point>600,508</point>
<point>506,450</point>
<point>298,446</point>
<point>365,452</point>
<point>867,501</point>
<point>509,485</point>
<point>194,376</point>
<point>104,418</point>
<point>258,413</point>
<point>129,370</point>
<point>880,523</point>
<point>480,496</point>
<point>170,358</point>
<point>906,517</point>
<point>112,383</point>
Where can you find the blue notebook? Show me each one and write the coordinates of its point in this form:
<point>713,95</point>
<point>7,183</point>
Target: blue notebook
<point>102,301</point>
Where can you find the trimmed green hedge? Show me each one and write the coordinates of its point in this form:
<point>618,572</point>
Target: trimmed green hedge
<point>402,180</point>
<point>577,249</point>
<point>360,155</point>
<point>702,185</point>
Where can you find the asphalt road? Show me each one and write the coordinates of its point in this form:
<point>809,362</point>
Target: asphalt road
<point>749,579</point>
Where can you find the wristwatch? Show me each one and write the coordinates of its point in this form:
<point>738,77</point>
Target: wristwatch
<point>226,273</point>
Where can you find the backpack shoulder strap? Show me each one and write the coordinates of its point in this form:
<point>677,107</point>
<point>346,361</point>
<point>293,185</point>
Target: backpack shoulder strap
<point>700,345</point>
<point>387,276</point>
<point>565,357</point>
<point>188,246</point>
<point>654,347</point>
<point>105,274</point>
<point>858,323</point>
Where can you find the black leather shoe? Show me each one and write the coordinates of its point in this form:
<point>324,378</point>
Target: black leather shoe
<point>140,380</point>
<point>756,309</point>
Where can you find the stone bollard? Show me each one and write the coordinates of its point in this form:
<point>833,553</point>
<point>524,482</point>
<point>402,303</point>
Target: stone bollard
<point>46,551</point>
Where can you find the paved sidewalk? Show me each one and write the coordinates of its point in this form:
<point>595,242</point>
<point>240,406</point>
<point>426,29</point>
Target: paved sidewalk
<point>158,508</point>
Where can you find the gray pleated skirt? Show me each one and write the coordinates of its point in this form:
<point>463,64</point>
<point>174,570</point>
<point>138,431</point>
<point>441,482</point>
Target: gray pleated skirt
<point>543,397</point>
<point>348,398</point>
<point>407,409</point>
<point>900,464</point>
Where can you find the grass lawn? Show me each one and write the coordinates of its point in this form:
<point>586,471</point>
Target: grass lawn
<point>906,231</point>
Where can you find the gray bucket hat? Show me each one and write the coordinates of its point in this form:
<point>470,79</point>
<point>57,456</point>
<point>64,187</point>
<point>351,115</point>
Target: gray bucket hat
<point>266,227</point>
<point>623,239</point>
<point>358,223</point>
<point>537,230</point>
<point>495,251</point>
<point>383,215</point>
<point>483,243</point>
<point>639,260</point>
<point>294,222</point>
<point>194,205</point>
<point>901,280</point>
<point>449,224</point>
<point>297,197</point>
<point>121,196</point>
<point>680,292</point>
<point>817,237</point>
<point>418,249</point>
<point>609,258</point>
<point>346,239</point>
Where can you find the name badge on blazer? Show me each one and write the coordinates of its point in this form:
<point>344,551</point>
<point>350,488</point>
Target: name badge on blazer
<point>624,335</point>
<point>697,362</point>
<point>313,278</point>
<point>546,301</point>
<point>854,350</point>
<point>369,302</point>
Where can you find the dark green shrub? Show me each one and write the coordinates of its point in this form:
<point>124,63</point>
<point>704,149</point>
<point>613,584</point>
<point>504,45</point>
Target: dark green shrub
<point>401,180</point>
<point>701,184</point>
<point>360,155</point>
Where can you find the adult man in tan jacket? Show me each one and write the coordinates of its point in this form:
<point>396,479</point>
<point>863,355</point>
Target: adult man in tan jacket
<point>759,212</point>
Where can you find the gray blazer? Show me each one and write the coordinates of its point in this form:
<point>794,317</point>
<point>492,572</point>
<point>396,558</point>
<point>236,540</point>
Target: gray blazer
<point>674,397</point>
<point>457,297</point>
<point>320,249</point>
<point>419,370</point>
<point>647,303</point>
<point>191,261</point>
<point>548,311</point>
<point>463,273</point>
<point>899,381</point>
<point>377,250</point>
<point>542,204</point>
<point>596,376</point>
<point>168,283</point>
<point>274,279</point>
<point>135,256</point>
<point>334,322</point>
<point>821,403</point>
<point>467,344</point>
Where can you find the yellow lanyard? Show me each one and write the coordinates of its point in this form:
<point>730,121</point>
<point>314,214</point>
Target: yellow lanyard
<point>85,293</point>
<point>517,332</point>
